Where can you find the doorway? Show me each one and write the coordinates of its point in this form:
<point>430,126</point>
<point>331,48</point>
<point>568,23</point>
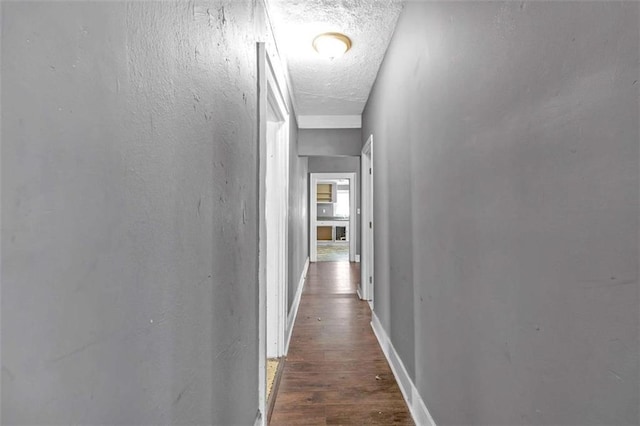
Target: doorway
<point>332,231</point>
<point>273,198</point>
<point>367,224</point>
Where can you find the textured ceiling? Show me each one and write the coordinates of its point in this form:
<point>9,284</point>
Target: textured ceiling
<point>340,86</point>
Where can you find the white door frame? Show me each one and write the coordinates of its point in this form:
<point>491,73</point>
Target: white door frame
<point>276,215</point>
<point>273,204</point>
<point>313,236</point>
<point>367,223</point>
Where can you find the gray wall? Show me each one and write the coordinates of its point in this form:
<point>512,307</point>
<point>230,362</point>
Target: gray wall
<point>129,204</point>
<point>328,142</point>
<point>341,165</point>
<point>298,212</point>
<point>508,281</point>
<point>334,165</point>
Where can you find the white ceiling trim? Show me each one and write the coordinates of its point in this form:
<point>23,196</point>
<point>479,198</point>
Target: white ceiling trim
<point>329,121</point>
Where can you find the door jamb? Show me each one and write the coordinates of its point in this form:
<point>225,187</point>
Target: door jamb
<point>277,104</point>
<point>367,278</point>
<point>270,94</point>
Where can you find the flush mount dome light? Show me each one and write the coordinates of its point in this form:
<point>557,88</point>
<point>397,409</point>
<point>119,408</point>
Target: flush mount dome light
<point>331,45</point>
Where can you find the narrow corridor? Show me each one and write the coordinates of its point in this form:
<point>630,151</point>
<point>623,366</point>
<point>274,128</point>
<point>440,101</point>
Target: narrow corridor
<point>159,211</point>
<point>335,371</point>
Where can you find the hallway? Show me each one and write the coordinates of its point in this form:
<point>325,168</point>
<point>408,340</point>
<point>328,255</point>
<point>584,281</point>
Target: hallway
<point>159,212</point>
<point>335,372</point>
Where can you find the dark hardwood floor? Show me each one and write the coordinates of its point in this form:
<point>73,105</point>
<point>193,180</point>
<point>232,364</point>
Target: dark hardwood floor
<point>335,372</point>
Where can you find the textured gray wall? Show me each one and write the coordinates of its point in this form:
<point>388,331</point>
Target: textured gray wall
<point>508,281</point>
<point>340,165</point>
<point>129,203</point>
<point>298,212</point>
<point>328,142</point>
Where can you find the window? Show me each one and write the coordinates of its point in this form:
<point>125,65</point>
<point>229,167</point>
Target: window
<point>342,204</point>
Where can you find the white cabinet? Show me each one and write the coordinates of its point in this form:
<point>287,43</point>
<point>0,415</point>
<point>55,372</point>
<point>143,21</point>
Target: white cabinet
<point>326,193</point>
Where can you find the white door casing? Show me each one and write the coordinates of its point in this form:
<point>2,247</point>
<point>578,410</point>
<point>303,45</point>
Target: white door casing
<point>273,204</point>
<point>367,223</point>
<point>276,215</point>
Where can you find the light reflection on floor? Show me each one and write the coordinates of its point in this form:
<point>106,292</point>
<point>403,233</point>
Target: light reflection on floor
<point>333,252</point>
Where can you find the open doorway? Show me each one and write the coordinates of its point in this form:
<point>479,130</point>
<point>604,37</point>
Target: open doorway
<point>332,230</point>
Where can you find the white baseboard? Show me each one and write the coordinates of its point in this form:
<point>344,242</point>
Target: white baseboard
<point>418,409</point>
<point>357,258</point>
<point>358,292</point>
<point>291,319</point>
<point>258,421</point>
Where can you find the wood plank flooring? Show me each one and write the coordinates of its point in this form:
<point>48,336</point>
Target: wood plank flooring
<point>335,372</point>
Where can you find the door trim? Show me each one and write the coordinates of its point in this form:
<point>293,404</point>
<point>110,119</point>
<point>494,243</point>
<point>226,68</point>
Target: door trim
<point>270,97</point>
<point>367,277</point>
<point>276,216</point>
<point>313,212</point>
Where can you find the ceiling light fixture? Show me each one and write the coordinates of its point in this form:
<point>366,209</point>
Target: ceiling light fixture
<point>331,45</point>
